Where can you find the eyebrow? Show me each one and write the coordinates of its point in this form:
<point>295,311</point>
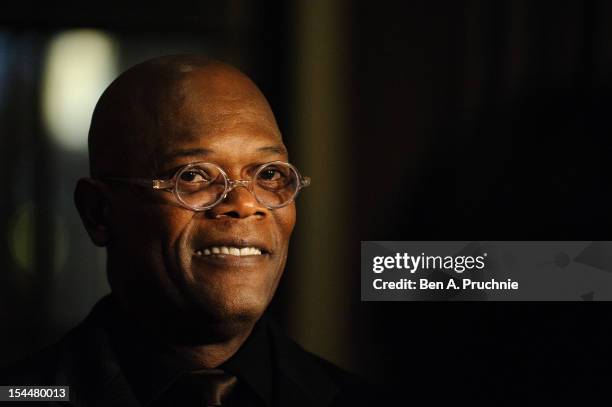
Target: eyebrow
<point>185,153</point>
<point>277,149</point>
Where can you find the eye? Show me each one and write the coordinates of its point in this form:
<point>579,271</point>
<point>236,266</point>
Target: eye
<point>270,174</point>
<point>195,176</point>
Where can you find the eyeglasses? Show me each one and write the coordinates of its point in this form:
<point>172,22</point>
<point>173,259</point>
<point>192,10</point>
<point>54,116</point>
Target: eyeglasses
<point>200,186</point>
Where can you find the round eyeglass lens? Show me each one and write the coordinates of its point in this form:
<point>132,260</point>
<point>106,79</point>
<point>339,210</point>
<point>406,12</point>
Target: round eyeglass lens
<point>275,184</point>
<point>200,185</point>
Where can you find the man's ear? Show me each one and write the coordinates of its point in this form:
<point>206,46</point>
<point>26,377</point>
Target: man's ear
<point>93,206</point>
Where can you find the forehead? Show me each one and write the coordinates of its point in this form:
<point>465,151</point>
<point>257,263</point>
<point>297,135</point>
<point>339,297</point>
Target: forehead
<point>224,148</point>
<point>153,111</point>
<point>225,122</point>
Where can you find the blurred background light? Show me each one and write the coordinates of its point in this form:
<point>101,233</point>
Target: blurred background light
<point>79,66</point>
<point>22,238</point>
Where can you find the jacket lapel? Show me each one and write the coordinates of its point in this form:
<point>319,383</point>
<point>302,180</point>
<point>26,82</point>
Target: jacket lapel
<point>89,366</point>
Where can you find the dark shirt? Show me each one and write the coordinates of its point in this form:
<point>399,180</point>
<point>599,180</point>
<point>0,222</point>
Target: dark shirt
<point>87,360</point>
<point>152,368</point>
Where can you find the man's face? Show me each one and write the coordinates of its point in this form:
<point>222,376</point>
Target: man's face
<point>156,245</point>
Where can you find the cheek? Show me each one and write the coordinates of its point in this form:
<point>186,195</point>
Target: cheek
<point>285,219</point>
<point>173,224</point>
<point>149,229</point>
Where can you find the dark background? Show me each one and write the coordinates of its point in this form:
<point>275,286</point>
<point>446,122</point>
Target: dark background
<point>439,120</point>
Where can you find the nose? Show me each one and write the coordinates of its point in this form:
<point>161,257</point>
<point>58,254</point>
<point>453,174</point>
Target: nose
<point>239,203</point>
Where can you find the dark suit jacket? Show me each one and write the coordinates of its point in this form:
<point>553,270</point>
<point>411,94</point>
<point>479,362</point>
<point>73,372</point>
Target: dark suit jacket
<point>84,360</point>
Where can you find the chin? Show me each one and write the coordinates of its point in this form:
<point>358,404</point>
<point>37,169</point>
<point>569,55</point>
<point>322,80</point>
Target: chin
<point>239,308</point>
<point>226,315</point>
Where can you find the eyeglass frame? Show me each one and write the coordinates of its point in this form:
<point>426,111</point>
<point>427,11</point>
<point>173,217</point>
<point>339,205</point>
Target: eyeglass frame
<point>230,184</point>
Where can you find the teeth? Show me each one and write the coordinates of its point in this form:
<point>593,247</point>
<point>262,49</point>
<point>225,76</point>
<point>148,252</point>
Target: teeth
<point>232,251</point>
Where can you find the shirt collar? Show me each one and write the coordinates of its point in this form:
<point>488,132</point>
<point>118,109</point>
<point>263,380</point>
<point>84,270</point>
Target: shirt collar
<point>253,362</point>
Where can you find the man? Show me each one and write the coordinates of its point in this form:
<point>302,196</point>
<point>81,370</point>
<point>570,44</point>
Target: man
<point>192,196</point>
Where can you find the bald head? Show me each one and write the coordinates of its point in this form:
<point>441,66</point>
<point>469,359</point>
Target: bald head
<point>155,103</point>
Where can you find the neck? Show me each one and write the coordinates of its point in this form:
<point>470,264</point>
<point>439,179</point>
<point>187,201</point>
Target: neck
<point>201,346</point>
<point>211,355</point>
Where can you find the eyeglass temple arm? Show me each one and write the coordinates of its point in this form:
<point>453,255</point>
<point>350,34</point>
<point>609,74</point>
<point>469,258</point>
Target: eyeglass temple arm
<point>156,183</point>
<point>162,183</point>
<point>305,181</point>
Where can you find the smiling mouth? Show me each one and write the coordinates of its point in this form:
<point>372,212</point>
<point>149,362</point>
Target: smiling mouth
<point>230,251</point>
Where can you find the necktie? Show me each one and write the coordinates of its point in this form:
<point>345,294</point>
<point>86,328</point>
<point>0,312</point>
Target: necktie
<point>206,388</point>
